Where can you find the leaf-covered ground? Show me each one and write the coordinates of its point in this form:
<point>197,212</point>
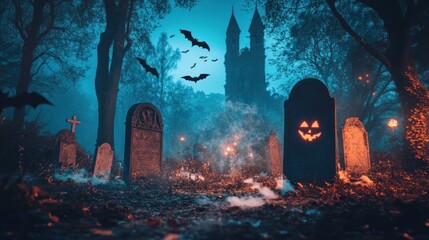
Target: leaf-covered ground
<point>393,206</point>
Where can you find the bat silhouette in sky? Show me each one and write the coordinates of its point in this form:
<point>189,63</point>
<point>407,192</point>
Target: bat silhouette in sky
<point>33,99</point>
<point>203,57</point>
<point>172,35</point>
<point>205,60</point>
<point>194,65</point>
<point>214,60</point>
<point>196,79</point>
<point>148,68</point>
<point>194,41</point>
<point>185,51</point>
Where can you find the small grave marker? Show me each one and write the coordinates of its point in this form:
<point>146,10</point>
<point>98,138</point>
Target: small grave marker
<point>356,146</point>
<point>103,161</point>
<point>65,150</point>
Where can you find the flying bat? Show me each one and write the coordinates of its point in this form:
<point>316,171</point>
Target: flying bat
<point>196,79</point>
<point>185,51</point>
<point>194,65</point>
<point>33,99</point>
<point>194,41</point>
<point>172,35</point>
<point>214,60</point>
<point>203,57</point>
<point>205,60</point>
<point>148,68</point>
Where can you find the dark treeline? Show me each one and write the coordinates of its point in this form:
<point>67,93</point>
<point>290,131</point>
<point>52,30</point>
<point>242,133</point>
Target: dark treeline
<point>375,67</point>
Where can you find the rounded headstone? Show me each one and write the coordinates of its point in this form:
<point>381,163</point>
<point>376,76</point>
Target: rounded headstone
<point>356,146</point>
<point>143,142</point>
<point>103,161</point>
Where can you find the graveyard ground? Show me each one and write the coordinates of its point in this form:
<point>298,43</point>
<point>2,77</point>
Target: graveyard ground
<point>393,204</point>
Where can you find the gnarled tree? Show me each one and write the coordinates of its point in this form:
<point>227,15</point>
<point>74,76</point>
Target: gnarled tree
<point>403,20</point>
<point>48,35</point>
<point>123,19</point>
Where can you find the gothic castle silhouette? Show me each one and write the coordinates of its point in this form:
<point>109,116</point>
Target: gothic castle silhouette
<point>245,68</point>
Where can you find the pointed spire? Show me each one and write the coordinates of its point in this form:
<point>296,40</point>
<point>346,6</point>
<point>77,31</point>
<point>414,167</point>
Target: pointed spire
<point>233,25</point>
<point>256,25</point>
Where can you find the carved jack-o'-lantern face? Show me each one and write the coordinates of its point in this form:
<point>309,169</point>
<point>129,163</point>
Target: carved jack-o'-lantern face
<point>309,132</point>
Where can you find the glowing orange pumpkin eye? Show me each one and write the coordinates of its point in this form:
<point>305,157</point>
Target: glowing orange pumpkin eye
<point>304,125</point>
<point>315,125</point>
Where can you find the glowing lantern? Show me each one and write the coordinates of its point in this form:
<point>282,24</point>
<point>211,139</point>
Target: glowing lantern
<point>182,138</point>
<point>309,133</point>
<point>392,123</point>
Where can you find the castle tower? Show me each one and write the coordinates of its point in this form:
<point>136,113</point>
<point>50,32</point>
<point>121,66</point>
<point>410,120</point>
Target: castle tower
<point>257,51</point>
<point>245,68</point>
<point>231,58</point>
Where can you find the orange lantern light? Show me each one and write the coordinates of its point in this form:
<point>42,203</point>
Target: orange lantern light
<point>392,123</point>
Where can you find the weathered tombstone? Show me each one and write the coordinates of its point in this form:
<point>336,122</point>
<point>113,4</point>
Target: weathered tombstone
<point>274,156</point>
<point>103,161</point>
<point>356,147</point>
<point>310,134</point>
<point>65,150</point>
<point>143,142</point>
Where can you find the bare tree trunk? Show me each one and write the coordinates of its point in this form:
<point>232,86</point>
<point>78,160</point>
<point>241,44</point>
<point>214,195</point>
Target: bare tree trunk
<point>31,36</point>
<point>23,84</point>
<point>107,78</point>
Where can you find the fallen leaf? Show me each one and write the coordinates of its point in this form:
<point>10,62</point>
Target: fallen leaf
<point>153,222</point>
<point>53,218</point>
<point>171,236</point>
<point>101,232</point>
<point>36,191</point>
<point>48,201</point>
<point>407,236</point>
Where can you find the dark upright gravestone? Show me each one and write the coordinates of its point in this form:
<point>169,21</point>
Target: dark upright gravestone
<point>310,141</point>
<point>143,142</point>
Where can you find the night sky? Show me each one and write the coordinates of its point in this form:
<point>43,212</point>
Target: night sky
<point>209,26</point>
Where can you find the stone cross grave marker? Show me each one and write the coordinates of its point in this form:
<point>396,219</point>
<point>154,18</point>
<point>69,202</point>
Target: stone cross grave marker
<point>73,122</point>
<point>274,155</point>
<point>356,146</point>
<point>103,161</point>
<point>65,150</point>
<point>310,134</point>
<point>143,142</point>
